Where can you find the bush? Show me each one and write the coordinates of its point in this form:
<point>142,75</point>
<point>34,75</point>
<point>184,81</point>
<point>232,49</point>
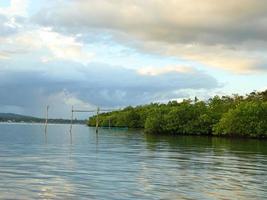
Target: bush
<point>247,119</point>
<point>155,123</point>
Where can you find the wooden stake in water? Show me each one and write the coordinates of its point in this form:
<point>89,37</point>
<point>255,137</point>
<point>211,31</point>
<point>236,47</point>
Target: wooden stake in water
<point>97,119</point>
<point>46,119</point>
<point>71,120</point>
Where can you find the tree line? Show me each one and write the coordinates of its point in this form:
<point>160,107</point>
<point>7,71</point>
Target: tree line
<point>233,115</point>
<point>11,117</point>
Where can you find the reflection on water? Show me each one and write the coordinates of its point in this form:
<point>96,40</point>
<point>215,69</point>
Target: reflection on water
<point>120,164</point>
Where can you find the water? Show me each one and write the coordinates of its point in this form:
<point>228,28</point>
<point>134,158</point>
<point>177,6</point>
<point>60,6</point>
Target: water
<point>121,164</point>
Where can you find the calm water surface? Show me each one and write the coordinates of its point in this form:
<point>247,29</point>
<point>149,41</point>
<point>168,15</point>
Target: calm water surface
<point>120,164</point>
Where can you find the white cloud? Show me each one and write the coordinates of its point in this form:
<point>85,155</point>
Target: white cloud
<point>3,56</point>
<point>55,45</point>
<point>240,61</point>
<point>16,7</point>
<point>155,71</point>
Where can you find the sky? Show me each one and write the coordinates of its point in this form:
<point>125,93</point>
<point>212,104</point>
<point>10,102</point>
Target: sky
<point>115,53</point>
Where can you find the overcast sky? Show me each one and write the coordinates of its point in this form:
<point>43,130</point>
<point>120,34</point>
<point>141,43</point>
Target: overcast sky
<point>114,53</point>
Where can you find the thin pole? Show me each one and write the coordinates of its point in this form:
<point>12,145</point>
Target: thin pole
<point>97,119</point>
<point>46,119</point>
<point>109,122</point>
<point>71,120</point>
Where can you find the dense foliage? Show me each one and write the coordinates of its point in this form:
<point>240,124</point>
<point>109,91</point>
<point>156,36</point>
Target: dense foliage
<point>227,115</point>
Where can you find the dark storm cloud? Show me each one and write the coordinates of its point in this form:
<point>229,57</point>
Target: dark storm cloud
<point>96,84</point>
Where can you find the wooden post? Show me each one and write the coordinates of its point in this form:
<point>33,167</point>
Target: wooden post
<point>46,119</point>
<point>97,119</point>
<point>71,121</point>
<point>109,123</point>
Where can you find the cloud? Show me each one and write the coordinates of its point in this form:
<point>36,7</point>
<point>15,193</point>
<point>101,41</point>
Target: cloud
<point>52,45</point>
<point>90,86</point>
<point>155,71</point>
<point>4,55</point>
<point>16,8</point>
<point>19,36</point>
<point>7,26</point>
<point>239,61</point>
<point>168,21</point>
<point>61,47</point>
<point>223,34</point>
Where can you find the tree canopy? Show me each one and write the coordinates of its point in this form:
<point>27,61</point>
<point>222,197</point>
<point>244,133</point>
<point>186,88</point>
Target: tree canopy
<point>223,116</point>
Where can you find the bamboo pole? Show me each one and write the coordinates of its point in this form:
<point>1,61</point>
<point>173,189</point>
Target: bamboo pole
<point>97,119</point>
<point>46,118</point>
<point>71,121</point>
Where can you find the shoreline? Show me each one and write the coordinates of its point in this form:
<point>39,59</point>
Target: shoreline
<point>38,123</point>
<point>177,134</point>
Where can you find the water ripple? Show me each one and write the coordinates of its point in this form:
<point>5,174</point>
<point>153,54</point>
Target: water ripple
<point>119,164</point>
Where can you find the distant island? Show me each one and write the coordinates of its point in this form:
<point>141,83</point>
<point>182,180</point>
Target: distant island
<point>241,116</point>
<point>16,118</point>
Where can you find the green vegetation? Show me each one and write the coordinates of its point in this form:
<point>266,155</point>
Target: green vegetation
<point>224,116</point>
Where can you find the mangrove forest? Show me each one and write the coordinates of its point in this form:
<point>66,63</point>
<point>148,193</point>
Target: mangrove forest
<point>233,115</point>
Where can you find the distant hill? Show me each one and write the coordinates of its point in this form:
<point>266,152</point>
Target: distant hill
<point>12,117</point>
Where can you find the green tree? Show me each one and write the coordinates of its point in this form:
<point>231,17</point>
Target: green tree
<point>247,119</point>
<point>155,122</point>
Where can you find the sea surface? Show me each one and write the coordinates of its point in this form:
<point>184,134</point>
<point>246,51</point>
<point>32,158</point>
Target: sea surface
<point>127,164</point>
